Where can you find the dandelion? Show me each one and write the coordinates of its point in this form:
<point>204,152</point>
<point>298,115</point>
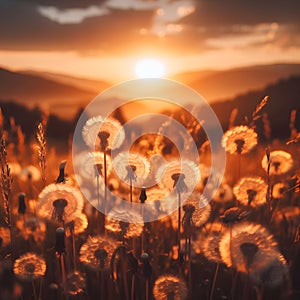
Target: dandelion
<point>248,248</point>
<point>274,275</point>
<point>29,267</point>
<point>233,214</point>
<point>128,230</point>
<point>201,211</point>
<point>251,191</point>
<point>75,284</point>
<point>109,132</point>
<point>169,287</point>
<point>30,173</point>
<point>4,236</point>
<point>80,223</point>
<point>177,171</point>
<point>280,162</point>
<point>91,164</point>
<point>279,190</point>
<point>32,229</point>
<point>208,241</point>
<point>224,194</point>
<point>58,202</point>
<point>97,251</point>
<point>239,140</point>
<point>131,167</point>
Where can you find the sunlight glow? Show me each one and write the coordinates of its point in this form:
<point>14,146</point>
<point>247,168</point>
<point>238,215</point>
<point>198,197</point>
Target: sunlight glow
<point>149,68</point>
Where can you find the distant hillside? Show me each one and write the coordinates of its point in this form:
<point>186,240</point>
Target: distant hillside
<point>220,85</point>
<point>92,85</point>
<point>60,98</point>
<point>284,96</point>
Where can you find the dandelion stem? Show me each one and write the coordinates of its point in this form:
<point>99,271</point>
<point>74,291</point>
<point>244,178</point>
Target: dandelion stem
<point>179,223</point>
<point>34,291</point>
<point>214,281</point>
<point>105,189</point>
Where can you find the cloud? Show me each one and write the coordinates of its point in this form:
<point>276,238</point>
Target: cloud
<point>71,15</point>
<point>119,27</point>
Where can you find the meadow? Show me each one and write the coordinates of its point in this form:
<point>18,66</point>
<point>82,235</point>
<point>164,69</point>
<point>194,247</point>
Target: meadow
<point>243,244</point>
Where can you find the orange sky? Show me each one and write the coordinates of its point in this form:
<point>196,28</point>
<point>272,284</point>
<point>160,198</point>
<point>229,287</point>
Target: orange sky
<point>105,39</point>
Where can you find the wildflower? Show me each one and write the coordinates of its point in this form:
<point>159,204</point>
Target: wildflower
<point>61,176</point>
<point>129,230</point>
<point>32,229</point>
<point>274,275</point>
<point>182,175</point>
<point>201,212</point>
<point>279,190</point>
<point>75,284</point>
<point>248,248</point>
<point>79,223</point>
<point>4,236</point>
<point>279,162</point>
<point>208,242</point>
<point>21,204</point>
<point>251,191</point>
<point>224,194</point>
<point>169,287</point>
<point>97,251</point>
<point>91,164</point>
<point>233,214</point>
<point>58,201</point>
<point>131,167</point>
<point>109,132</point>
<point>239,140</point>
<point>30,173</point>
<point>29,267</point>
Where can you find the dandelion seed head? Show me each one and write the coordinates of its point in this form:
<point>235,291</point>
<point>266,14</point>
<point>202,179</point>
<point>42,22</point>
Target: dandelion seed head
<point>96,252</point>
<point>239,139</point>
<point>208,241</point>
<point>251,191</point>
<point>29,267</point>
<point>97,128</point>
<point>280,162</point>
<point>32,228</point>
<point>279,190</point>
<point>248,247</point>
<point>115,224</point>
<point>30,173</point>
<point>5,236</point>
<point>80,222</point>
<point>224,194</point>
<point>91,164</point>
<point>75,284</point>
<point>131,164</point>
<point>58,196</point>
<point>187,170</point>
<point>169,287</point>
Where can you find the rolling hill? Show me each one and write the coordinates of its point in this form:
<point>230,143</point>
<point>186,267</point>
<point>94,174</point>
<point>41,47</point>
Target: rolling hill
<point>220,85</point>
<point>284,96</point>
<point>61,98</point>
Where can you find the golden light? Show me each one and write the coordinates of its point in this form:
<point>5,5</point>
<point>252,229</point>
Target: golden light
<point>149,68</point>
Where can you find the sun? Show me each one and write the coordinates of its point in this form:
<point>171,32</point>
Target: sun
<point>149,68</point>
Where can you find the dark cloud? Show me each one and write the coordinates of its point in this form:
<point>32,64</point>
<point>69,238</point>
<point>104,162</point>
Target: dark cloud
<point>22,27</point>
<point>230,12</point>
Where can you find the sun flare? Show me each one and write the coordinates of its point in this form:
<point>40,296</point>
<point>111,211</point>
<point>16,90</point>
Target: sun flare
<point>149,68</point>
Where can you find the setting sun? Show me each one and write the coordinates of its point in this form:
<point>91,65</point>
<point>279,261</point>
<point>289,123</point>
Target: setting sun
<point>149,68</point>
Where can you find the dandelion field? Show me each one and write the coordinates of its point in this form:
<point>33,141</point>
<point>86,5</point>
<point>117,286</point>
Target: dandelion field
<point>243,244</point>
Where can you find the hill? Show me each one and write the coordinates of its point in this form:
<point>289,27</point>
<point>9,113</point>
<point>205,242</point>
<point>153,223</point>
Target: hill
<point>60,98</point>
<point>284,96</point>
<point>221,85</point>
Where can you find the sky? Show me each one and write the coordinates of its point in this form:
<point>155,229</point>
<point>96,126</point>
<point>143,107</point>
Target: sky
<point>106,38</point>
